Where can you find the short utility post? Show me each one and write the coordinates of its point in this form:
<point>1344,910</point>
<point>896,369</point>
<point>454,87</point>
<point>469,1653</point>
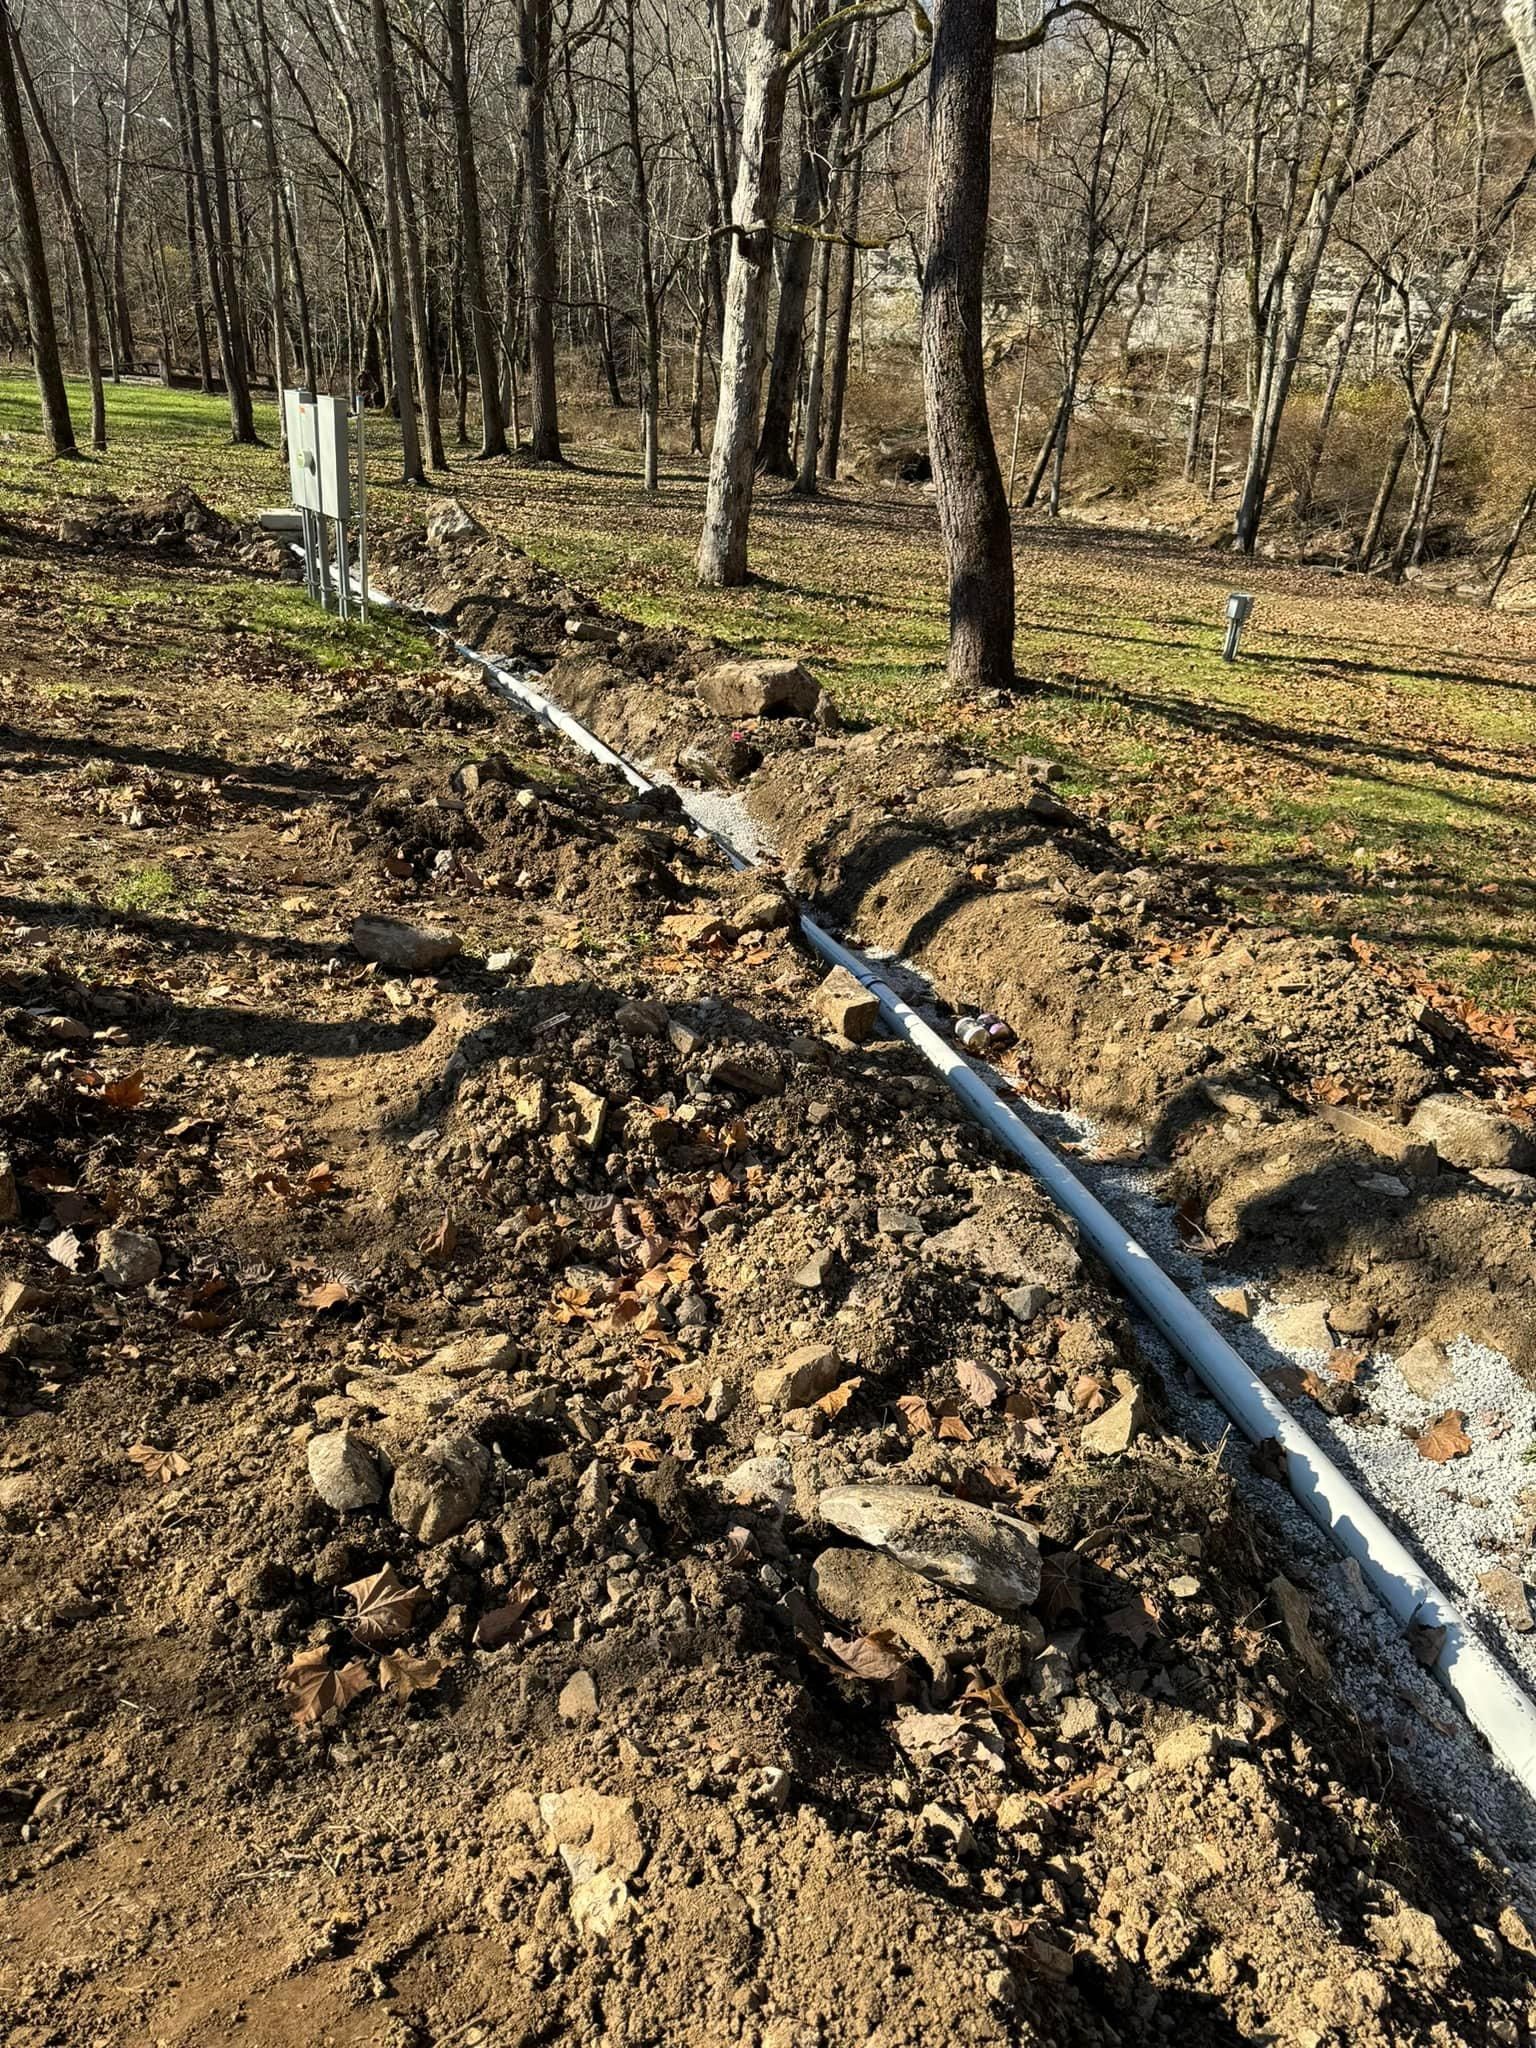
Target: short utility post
<point>1239,605</point>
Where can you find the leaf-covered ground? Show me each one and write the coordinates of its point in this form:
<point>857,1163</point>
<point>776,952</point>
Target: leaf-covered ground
<point>1363,770</point>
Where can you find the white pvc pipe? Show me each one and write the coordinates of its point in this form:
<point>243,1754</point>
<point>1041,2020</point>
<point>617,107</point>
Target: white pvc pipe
<point>1495,1705</point>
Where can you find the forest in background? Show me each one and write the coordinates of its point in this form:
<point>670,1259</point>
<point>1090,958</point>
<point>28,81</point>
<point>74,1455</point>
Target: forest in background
<point>1273,256</point>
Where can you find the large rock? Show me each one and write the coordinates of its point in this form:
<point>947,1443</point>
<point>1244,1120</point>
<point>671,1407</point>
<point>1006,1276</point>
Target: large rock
<point>760,689</point>
<point>342,1472</point>
<point>438,1488</point>
<point>847,1006</point>
<point>594,1832</point>
<point>1468,1134</point>
<point>984,1556</point>
<point>409,949</point>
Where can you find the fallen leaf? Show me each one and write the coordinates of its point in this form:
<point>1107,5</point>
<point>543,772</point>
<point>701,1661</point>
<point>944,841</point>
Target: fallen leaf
<point>916,1413</point>
<point>316,1689</point>
<point>834,1402</point>
<point>404,1672</point>
<point>157,1464</point>
<point>876,1658</point>
<point>329,1294</point>
<point>66,1250</point>
<point>127,1093</point>
<point>384,1606</point>
<point>1444,1438</point>
<point>443,1243</point>
<point>498,1625</point>
<point>1136,1621</point>
<point>983,1387</point>
<point>681,1397</point>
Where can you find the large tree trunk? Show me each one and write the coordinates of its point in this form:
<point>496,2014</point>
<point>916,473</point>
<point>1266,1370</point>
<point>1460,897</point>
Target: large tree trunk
<point>74,213</point>
<point>539,278</point>
<point>391,152</point>
<point>493,425</point>
<point>41,330</point>
<point>744,339</point>
<point>973,511</point>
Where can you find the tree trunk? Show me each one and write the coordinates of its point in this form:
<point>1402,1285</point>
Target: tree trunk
<point>1330,401</point>
<point>973,511</point>
<point>80,238</point>
<point>1207,344</point>
<point>122,317</point>
<point>744,342</point>
<point>774,449</point>
<point>391,155</point>
<point>493,425</point>
<point>531,81</point>
<point>219,234</point>
<point>42,334</point>
<point>1522,518</point>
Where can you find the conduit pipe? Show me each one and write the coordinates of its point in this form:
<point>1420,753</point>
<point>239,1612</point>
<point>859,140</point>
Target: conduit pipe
<point>1495,1705</point>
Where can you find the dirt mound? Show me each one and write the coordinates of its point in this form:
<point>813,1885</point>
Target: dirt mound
<point>421,1391</point>
<point>179,524</point>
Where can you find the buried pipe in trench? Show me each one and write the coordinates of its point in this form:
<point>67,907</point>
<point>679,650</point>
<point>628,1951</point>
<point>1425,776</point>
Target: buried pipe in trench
<point>1491,1700</point>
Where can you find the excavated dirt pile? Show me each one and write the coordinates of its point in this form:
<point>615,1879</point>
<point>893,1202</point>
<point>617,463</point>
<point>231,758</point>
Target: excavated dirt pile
<point>1319,1125</point>
<point>554,1489</point>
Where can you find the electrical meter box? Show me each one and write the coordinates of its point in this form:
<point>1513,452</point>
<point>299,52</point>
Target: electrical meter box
<point>319,452</point>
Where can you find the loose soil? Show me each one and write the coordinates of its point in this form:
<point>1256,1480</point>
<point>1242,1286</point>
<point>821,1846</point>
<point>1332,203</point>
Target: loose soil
<point>515,1251</point>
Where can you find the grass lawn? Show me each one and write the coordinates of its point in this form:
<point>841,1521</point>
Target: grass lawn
<point>1365,768</point>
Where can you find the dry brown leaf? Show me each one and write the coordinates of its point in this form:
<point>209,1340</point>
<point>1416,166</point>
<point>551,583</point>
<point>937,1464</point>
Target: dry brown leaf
<point>498,1625</point>
<point>952,1429</point>
<point>1444,1438</point>
<point>877,1658</point>
<point>443,1243</point>
<point>982,1387</point>
<point>916,1413</point>
<point>837,1400</point>
<point>127,1093</point>
<point>1136,1621</point>
<point>329,1294</point>
<point>316,1689</point>
<point>682,1397</point>
<point>636,1451</point>
<point>157,1464</point>
<point>404,1672</point>
<point>384,1606</point>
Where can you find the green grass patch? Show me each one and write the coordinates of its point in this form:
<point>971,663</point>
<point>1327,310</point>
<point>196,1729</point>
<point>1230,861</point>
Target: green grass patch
<point>144,889</point>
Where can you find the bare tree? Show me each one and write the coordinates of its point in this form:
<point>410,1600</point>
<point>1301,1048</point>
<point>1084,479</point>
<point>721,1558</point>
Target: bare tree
<point>722,555</point>
<point>41,330</point>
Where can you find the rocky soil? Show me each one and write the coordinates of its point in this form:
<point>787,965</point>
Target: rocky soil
<point>553,1488</point>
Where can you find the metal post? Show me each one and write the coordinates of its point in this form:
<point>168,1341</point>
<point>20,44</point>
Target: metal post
<point>1239,605</point>
<point>362,507</point>
<point>343,572</point>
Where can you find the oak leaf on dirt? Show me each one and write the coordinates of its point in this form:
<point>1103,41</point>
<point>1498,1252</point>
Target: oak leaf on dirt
<point>1444,1438</point>
<point>384,1606</point>
<point>1136,1621</point>
<point>316,1688</point>
<point>127,1093</point>
<point>443,1243</point>
<point>404,1672</point>
<point>157,1464</point>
